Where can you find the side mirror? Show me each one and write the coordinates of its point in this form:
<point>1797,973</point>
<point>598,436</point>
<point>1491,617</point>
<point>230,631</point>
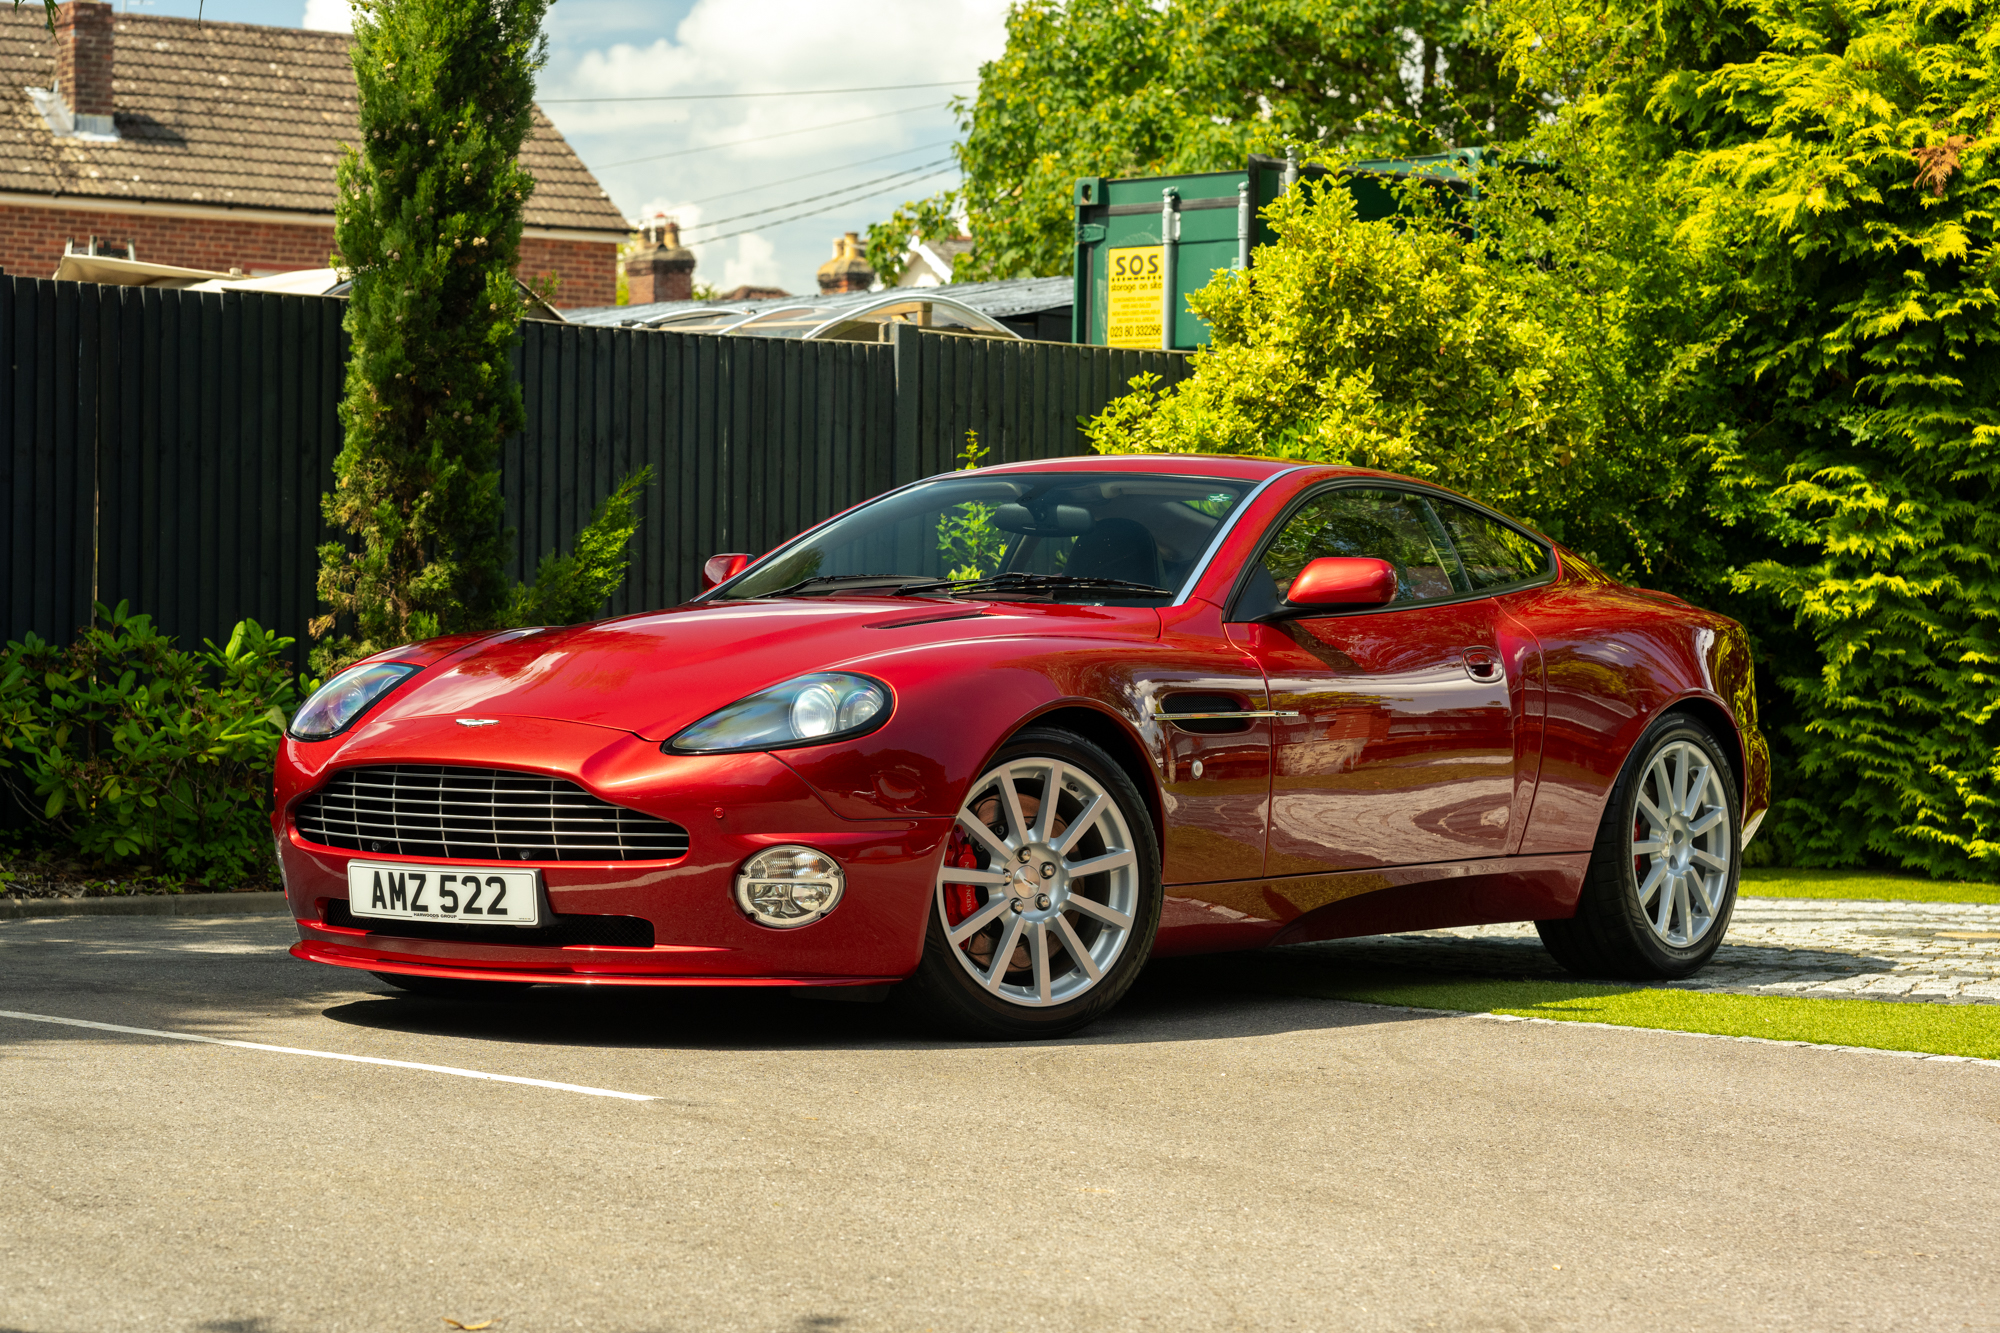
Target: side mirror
<point>719,569</point>
<point>1343,581</point>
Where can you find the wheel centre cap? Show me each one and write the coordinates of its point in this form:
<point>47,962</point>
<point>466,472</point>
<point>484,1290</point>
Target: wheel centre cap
<point>1039,879</point>
<point>1680,844</point>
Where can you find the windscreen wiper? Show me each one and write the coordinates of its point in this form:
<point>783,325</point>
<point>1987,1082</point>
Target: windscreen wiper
<point>831,581</point>
<point>1021,581</point>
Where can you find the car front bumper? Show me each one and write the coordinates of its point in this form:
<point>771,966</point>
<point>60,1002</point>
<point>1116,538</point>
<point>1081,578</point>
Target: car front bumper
<point>733,807</point>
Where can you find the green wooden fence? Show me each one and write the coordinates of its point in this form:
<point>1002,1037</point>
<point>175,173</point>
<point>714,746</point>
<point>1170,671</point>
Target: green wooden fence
<point>169,448</point>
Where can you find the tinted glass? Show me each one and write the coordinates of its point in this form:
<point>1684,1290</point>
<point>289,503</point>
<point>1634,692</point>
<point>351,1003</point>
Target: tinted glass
<point>1492,554</point>
<point>1389,525</point>
<point>1137,527</point>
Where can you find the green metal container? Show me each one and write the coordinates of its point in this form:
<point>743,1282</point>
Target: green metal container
<point>1145,243</point>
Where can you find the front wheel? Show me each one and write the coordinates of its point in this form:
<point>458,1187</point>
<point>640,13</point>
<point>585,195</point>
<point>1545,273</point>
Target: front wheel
<point>1662,879</point>
<point>1047,898</point>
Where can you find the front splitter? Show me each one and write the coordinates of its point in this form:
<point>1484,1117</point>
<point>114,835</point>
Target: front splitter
<point>313,951</point>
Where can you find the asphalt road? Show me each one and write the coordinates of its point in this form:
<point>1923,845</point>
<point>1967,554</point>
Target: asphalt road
<point>1208,1158</point>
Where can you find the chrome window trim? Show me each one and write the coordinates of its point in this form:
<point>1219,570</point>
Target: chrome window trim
<point>1229,523</point>
<point>1414,487</point>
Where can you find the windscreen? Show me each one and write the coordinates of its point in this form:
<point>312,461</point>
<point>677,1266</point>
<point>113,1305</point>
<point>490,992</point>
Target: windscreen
<point>1135,528</point>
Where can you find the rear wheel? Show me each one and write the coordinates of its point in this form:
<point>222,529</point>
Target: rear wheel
<point>453,988</point>
<point>1662,880</point>
<point>1048,896</point>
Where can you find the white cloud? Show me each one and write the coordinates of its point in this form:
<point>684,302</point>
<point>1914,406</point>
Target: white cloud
<point>755,264</point>
<point>328,16</point>
<point>787,149</point>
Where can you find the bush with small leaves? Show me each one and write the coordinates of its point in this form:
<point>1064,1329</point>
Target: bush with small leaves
<point>129,750</point>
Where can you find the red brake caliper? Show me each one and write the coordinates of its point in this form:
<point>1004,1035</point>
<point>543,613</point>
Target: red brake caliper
<point>960,900</point>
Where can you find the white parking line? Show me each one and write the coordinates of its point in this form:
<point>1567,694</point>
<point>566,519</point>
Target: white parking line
<point>328,1055</point>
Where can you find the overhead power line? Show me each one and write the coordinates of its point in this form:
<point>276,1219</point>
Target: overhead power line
<point>788,92</point>
<point>810,175</point>
<point>766,138</point>
<point>811,212</point>
<point>928,168</point>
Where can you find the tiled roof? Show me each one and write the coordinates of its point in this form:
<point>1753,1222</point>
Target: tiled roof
<point>229,114</point>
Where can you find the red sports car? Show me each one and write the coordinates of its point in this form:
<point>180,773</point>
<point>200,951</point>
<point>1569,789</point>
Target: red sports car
<point>998,737</point>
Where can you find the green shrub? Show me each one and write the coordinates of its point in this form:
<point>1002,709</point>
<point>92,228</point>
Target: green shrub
<point>1736,335</point>
<point>130,750</point>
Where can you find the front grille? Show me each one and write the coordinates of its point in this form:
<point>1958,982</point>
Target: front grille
<point>487,813</point>
<point>620,932</point>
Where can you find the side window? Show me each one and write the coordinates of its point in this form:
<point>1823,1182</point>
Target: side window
<point>1492,554</point>
<point>1390,525</point>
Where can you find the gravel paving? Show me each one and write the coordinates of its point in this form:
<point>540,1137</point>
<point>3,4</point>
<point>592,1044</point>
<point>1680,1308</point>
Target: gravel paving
<point>1938,953</point>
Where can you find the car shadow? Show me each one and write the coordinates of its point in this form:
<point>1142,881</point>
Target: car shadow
<point>1197,999</point>
<point>1519,957</point>
<point>1265,993</point>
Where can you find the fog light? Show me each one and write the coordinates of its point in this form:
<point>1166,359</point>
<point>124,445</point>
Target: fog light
<point>784,887</point>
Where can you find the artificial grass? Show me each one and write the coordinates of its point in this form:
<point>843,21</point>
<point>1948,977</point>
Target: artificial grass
<point>1865,885</point>
<point>1935,1029</point>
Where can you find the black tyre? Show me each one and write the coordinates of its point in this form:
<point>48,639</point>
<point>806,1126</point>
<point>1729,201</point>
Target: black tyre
<point>453,988</point>
<point>1661,886</point>
<point>1047,897</point>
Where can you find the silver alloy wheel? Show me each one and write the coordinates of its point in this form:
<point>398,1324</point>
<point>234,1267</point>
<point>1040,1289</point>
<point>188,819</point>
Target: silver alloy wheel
<point>1681,843</point>
<point>1062,880</point>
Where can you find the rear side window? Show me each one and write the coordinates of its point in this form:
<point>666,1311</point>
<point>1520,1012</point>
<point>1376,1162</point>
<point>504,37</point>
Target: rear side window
<point>1491,554</point>
<point>1390,525</point>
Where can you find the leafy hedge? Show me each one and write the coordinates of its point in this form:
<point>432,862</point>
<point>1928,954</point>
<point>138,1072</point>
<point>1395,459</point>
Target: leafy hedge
<point>1850,169</point>
<point>129,750</point>
<point>1733,330</point>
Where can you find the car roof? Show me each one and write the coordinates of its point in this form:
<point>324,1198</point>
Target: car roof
<point>1232,466</point>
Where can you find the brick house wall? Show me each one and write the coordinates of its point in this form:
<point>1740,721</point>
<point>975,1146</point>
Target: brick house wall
<point>216,147</point>
<point>32,237</point>
<point>588,270</point>
<point>31,240</point>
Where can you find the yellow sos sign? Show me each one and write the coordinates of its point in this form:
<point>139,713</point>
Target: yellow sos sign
<point>1132,316</point>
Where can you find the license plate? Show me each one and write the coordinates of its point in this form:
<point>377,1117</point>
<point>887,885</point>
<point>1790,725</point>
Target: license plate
<point>408,892</point>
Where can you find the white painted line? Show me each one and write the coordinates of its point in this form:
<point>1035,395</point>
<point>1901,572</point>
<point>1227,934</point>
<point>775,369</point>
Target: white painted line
<point>329,1055</point>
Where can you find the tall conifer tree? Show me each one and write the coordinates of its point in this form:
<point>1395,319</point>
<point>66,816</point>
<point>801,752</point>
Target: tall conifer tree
<point>429,223</point>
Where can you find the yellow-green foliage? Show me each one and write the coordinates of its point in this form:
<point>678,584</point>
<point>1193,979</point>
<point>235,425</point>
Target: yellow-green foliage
<point>1849,171</point>
<point>1145,87</point>
<point>1410,348</point>
<point>1730,325</point>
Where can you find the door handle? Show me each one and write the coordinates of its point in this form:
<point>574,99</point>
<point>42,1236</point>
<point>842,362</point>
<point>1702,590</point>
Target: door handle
<point>1482,665</point>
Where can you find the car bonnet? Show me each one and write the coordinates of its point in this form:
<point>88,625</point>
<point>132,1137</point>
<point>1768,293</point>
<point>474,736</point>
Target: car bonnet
<point>655,674</point>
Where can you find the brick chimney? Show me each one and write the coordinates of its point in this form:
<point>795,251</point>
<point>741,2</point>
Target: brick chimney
<point>661,269</point>
<point>848,270</point>
<point>83,63</point>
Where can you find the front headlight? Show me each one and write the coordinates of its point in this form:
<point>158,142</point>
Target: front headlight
<point>825,706</point>
<point>335,705</point>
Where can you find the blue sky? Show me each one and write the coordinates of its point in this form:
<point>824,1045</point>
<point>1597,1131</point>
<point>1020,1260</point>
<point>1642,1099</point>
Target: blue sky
<point>752,155</point>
